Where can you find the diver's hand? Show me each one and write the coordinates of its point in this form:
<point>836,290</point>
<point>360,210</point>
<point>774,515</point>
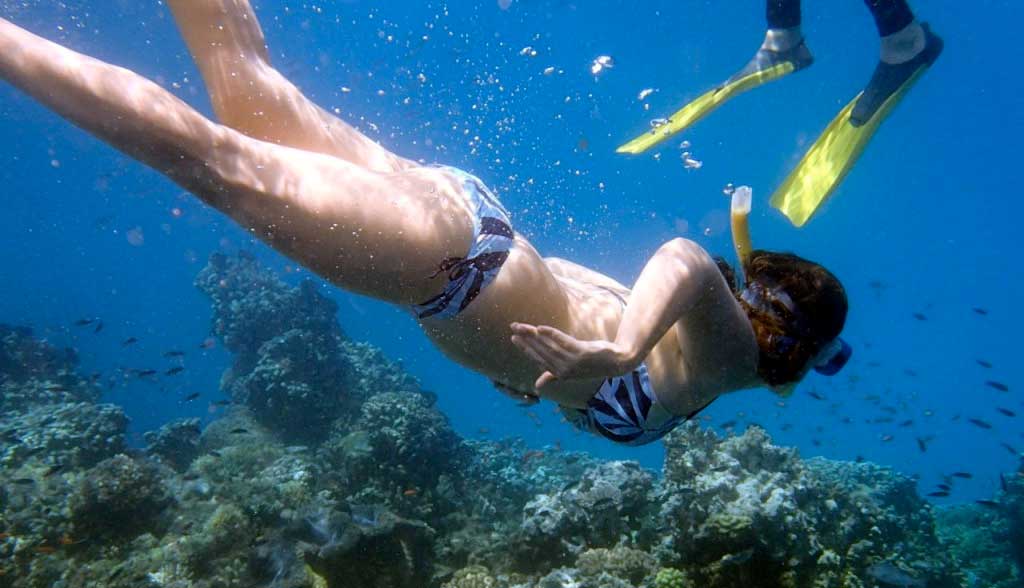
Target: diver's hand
<point>564,356</point>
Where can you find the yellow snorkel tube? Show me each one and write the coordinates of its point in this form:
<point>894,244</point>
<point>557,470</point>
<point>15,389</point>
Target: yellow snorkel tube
<point>742,198</point>
<point>739,213</point>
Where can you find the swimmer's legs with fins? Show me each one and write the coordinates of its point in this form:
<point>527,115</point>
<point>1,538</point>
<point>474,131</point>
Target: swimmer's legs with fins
<point>251,96</point>
<point>908,49</point>
<point>782,53</point>
<point>373,233</point>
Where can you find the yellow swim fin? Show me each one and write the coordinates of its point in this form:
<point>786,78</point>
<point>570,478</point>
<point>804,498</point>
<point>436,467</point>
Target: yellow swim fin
<point>766,66</point>
<point>839,147</point>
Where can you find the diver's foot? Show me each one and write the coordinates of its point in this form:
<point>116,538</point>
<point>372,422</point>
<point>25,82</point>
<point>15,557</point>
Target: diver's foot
<point>771,55</point>
<point>890,77</point>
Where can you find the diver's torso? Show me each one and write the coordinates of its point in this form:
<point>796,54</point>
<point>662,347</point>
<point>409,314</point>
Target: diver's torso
<point>527,291</point>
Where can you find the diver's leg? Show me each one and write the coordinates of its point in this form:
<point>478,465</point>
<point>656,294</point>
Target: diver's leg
<point>784,32</point>
<point>251,96</point>
<point>374,233</point>
<point>907,48</point>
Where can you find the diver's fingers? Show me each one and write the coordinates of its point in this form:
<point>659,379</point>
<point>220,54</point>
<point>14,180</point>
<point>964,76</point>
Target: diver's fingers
<point>529,349</point>
<point>562,338</point>
<point>523,329</point>
<point>545,379</point>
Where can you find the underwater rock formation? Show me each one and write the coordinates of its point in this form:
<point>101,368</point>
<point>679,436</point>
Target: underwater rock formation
<point>741,511</point>
<point>77,434</point>
<point>34,373</point>
<point>118,498</point>
<point>175,444</point>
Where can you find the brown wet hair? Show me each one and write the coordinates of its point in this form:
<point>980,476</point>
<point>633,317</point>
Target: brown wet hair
<point>788,340</point>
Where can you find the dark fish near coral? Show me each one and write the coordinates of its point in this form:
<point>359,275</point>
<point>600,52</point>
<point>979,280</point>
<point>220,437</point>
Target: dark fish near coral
<point>939,494</point>
<point>99,327</point>
<point>964,475</point>
<point>887,438</point>
<point>920,316</point>
<point>129,341</point>
<point>887,573</point>
<point>84,321</point>
<point>815,395</point>
<point>1010,448</point>
<point>208,343</point>
<point>240,431</point>
<point>997,385</point>
<point>174,370</point>
<point>221,403</point>
<point>983,363</point>
<point>23,481</point>
<point>980,423</point>
<point>1006,411</point>
<point>987,503</point>
<point>944,487</point>
<point>174,353</point>
<point>146,373</point>
<point>907,423</point>
<point>192,397</point>
<point>980,310</point>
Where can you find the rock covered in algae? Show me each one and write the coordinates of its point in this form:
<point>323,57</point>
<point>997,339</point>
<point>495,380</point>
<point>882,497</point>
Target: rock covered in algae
<point>175,444</point>
<point>74,434</point>
<point>34,373</point>
<point>608,504</point>
<point>119,497</point>
<point>743,508</point>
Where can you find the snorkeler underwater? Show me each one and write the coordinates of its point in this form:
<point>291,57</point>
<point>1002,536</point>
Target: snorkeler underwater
<point>366,294</point>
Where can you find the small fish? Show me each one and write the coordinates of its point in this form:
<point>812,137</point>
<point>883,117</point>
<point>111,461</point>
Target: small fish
<point>54,469</point>
<point>192,397</point>
<point>145,373</point>
<point>887,438</point>
<point>859,459</point>
<point>944,487</point>
<point>221,403</point>
<point>1010,448</point>
<point>239,431</point>
<point>980,310</point>
<point>84,321</point>
<point>983,363</point>
<point>1006,411</point>
<point>980,423</point>
<point>964,475</point>
<point>215,453</point>
<point>99,327</point>
<point>728,424</point>
<point>997,385</point>
<point>815,395</point>
<point>410,492</point>
<point>24,481</point>
<point>919,316</point>
<point>922,444</point>
<point>907,423</point>
<point>939,494</point>
<point>208,343</point>
<point>45,549</point>
<point>174,353</point>
<point>129,341</point>
<point>174,370</point>
<point>987,503</point>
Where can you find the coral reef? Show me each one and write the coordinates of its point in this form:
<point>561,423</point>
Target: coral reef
<point>334,469</point>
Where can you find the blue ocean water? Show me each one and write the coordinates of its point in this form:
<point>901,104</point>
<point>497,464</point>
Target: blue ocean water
<point>925,225</point>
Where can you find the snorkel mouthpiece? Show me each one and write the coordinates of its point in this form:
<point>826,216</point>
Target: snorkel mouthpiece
<point>738,213</point>
<point>833,357</point>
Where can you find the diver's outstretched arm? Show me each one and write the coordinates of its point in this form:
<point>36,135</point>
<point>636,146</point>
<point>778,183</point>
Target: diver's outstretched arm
<point>249,95</point>
<point>377,234</point>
